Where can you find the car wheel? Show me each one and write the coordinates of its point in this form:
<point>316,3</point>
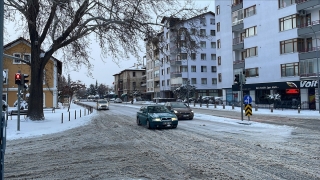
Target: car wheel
<point>148,125</point>
<point>138,122</point>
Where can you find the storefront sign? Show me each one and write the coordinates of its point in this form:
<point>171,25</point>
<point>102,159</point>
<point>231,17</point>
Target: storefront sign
<point>308,84</point>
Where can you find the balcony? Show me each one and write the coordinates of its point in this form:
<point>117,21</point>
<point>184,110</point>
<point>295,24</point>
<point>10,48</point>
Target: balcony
<point>176,74</point>
<point>307,4</point>
<point>308,75</point>
<point>238,64</point>
<point>309,53</point>
<point>237,25</point>
<point>175,62</point>
<point>238,44</point>
<point>237,6</point>
<point>308,28</point>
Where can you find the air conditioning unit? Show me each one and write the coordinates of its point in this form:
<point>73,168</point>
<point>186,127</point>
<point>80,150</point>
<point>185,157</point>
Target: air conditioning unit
<point>302,12</point>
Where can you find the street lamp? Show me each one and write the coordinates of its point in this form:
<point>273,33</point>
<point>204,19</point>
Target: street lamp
<point>317,54</point>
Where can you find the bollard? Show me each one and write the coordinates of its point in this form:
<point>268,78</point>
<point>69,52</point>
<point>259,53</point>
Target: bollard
<point>75,114</point>
<point>271,108</point>
<point>232,106</point>
<point>256,108</point>
<point>200,104</point>
<point>207,105</point>
<point>223,106</point>
<point>299,109</point>
<point>215,105</point>
<point>69,115</point>
<point>80,113</point>
<point>194,103</point>
<point>62,118</point>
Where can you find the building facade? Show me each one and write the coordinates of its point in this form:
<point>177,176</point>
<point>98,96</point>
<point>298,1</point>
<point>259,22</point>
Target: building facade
<point>21,48</point>
<point>274,44</point>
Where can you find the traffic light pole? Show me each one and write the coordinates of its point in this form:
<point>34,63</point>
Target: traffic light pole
<point>19,94</point>
<point>241,95</point>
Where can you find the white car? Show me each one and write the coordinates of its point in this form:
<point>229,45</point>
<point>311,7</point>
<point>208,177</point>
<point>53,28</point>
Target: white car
<point>118,100</point>
<point>102,104</point>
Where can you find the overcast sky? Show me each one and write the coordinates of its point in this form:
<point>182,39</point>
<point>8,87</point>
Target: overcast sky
<point>104,69</point>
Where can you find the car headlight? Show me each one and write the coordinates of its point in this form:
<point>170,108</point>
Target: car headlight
<point>175,111</point>
<point>192,111</point>
<point>174,119</point>
<point>156,119</point>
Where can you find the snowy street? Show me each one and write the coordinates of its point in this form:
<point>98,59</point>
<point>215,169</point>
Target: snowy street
<point>112,146</point>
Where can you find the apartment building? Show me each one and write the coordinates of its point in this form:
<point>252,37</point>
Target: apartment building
<point>183,52</point>
<point>274,43</point>
<point>130,83</point>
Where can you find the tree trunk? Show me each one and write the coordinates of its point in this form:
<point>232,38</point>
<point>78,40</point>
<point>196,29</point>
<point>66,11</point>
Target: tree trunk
<point>35,104</point>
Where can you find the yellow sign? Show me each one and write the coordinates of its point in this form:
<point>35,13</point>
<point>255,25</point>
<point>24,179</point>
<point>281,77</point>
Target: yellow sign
<point>248,110</point>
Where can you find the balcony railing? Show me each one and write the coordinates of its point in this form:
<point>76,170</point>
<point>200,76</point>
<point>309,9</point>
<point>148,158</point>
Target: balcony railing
<point>308,24</point>
<point>177,72</point>
<point>238,61</point>
<point>237,40</point>
<point>301,1</point>
<point>308,75</point>
<point>311,49</point>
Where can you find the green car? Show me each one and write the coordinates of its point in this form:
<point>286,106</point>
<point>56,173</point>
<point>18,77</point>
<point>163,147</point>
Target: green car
<point>156,116</point>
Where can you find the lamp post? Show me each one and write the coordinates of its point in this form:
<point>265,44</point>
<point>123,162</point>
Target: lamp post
<point>317,54</point>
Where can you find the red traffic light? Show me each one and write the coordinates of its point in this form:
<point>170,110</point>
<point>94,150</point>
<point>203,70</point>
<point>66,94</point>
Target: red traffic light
<point>17,78</point>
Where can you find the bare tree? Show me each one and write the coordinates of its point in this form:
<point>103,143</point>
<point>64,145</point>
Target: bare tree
<point>65,25</point>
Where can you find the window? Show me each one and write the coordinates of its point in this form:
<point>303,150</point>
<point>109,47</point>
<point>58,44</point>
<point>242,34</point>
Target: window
<point>249,52</point>
<point>27,57</point>
<point>5,80</point>
<point>236,2</point>
<point>290,69</point>
<point>212,32</point>
<point>133,74</point>
<point>213,45</point>
<point>291,45</point>
<point>162,71</point>
<point>203,68</point>
<point>251,31</point>
<point>193,80</point>
<point>183,56</point>
<point>193,31</point>
<point>212,21</point>
<point>168,58</point>
<point>213,68</point>
<point>134,85</point>
<point>220,77</point>
<point>288,22</point>
<point>168,82</point>
<point>203,21</point>
<point>17,61</point>
<point>214,80</point>
<point>219,43</point>
<point>250,11</point>
<point>168,70</point>
<point>162,83</point>
<point>218,27</point>
<point>183,68</point>
<point>202,32</point>
<point>184,80</point>
<point>203,80</point>
<point>219,60</point>
<point>203,56</point>
<point>203,44</point>
<point>213,56</point>
<point>193,44</point>
<point>193,56</point>
<point>285,3</point>
<point>193,69</point>
<point>218,10</point>
<point>252,72</point>
<point>308,67</point>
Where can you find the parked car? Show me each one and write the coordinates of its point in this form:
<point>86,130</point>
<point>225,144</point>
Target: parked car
<point>112,100</point>
<point>156,116</point>
<point>118,100</point>
<point>102,104</point>
<point>180,109</point>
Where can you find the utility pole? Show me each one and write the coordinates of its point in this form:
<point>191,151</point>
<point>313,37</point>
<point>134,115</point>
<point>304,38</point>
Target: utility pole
<point>3,121</point>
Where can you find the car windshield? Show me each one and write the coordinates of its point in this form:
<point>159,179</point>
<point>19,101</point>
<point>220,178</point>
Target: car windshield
<point>157,109</point>
<point>179,105</point>
<point>103,101</point>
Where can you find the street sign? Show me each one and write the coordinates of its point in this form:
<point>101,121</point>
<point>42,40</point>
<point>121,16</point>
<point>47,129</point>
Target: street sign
<point>248,110</point>
<point>247,99</point>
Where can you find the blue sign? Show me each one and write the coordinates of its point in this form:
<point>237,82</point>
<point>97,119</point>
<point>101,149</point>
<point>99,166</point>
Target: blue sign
<point>247,99</point>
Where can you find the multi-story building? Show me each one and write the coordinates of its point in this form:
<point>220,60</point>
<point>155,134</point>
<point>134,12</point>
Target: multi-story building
<point>130,83</point>
<point>274,43</point>
<point>21,48</point>
<point>183,52</point>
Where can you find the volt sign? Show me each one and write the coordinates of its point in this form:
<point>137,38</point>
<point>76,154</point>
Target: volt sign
<point>308,84</point>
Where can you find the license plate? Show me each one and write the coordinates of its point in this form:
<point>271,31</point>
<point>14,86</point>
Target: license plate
<point>185,115</point>
<point>167,123</point>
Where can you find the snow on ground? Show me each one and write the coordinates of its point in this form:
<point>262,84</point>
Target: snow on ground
<point>52,122</point>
